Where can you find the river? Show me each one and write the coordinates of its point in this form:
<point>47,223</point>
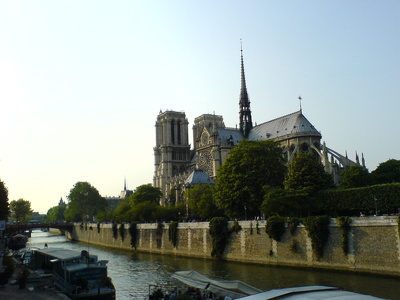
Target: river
<point>133,273</point>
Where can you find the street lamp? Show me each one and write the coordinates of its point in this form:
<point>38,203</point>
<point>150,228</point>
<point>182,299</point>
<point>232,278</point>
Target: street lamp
<point>245,213</point>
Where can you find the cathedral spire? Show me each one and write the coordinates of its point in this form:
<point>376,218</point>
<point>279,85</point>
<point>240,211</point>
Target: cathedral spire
<point>244,103</point>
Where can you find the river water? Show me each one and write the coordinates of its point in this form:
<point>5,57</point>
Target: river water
<point>133,274</point>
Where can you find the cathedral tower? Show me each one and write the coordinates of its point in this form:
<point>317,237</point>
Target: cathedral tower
<point>172,150</point>
<point>245,121</point>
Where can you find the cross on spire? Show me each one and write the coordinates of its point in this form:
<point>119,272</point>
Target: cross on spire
<point>300,102</point>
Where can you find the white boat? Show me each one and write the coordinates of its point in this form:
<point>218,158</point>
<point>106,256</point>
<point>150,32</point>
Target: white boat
<point>235,289</point>
<point>225,288</point>
<point>78,274</point>
<point>316,292</point>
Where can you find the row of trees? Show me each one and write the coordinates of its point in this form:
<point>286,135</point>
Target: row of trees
<point>253,181</point>
<point>20,210</point>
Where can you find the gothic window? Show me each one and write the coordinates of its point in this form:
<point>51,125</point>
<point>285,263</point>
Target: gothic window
<point>173,132</point>
<point>204,138</point>
<point>179,132</point>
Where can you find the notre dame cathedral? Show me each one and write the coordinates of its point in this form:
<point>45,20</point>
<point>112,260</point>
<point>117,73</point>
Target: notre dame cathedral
<point>178,167</point>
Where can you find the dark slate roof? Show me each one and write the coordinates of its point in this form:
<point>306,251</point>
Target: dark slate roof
<point>289,124</point>
<point>225,135</point>
<point>199,177</point>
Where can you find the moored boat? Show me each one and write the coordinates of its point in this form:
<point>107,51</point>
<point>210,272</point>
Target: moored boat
<point>17,242</point>
<point>79,275</point>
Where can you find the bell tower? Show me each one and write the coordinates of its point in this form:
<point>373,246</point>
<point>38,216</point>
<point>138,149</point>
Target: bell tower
<point>172,150</point>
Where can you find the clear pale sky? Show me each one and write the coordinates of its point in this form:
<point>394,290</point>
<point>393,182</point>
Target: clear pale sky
<point>82,82</point>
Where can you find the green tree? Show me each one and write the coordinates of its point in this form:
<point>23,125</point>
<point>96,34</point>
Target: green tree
<point>285,203</point>
<point>56,213</point>
<point>354,177</point>
<point>20,210</point>
<point>387,172</point>
<point>146,193</point>
<point>4,206</point>
<point>201,202</point>
<point>249,166</point>
<point>307,171</point>
<point>84,203</point>
<point>142,206</point>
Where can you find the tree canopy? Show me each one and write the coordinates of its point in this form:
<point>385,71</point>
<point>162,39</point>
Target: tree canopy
<point>56,213</point>
<point>307,171</point>
<point>21,210</point>
<point>201,202</point>
<point>84,203</point>
<point>387,172</point>
<point>4,205</point>
<point>146,193</point>
<point>305,176</point>
<point>249,166</point>
<point>142,206</point>
<point>354,177</point>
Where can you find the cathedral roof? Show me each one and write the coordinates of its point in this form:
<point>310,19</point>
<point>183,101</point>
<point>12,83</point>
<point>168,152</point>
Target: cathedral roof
<point>198,177</point>
<point>229,136</point>
<point>294,123</point>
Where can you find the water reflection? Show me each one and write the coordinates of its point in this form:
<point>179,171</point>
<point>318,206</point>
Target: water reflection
<point>132,273</point>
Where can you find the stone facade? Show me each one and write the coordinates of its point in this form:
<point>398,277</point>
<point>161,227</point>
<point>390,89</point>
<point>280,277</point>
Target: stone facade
<point>373,244</point>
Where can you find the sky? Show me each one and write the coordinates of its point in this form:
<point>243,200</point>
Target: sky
<point>82,82</point>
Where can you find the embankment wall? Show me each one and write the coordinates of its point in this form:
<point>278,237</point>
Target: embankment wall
<point>374,244</point>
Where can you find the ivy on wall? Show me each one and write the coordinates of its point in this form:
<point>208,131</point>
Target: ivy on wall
<point>275,227</point>
<point>398,224</point>
<point>219,233</point>
<point>115,230</point>
<point>122,231</point>
<point>133,233</point>
<point>293,223</point>
<point>318,230</point>
<point>235,227</point>
<point>173,233</point>
<point>160,229</point>
<point>344,227</point>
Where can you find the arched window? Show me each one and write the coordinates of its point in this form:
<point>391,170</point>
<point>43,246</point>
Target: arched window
<point>173,132</point>
<point>179,132</point>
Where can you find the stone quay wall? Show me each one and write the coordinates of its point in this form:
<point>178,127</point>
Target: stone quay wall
<point>374,244</point>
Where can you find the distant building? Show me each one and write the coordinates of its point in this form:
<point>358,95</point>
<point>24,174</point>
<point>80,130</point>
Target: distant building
<point>114,201</point>
<point>175,162</point>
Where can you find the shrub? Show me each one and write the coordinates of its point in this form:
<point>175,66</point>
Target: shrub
<point>235,227</point>
<point>318,230</point>
<point>160,229</point>
<point>275,227</point>
<point>133,233</point>
<point>173,233</point>
<point>294,246</point>
<point>293,223</point>
<point>219,233</point>
<point>122,231</point>
<point>115,230</point>
<point>344,226</point>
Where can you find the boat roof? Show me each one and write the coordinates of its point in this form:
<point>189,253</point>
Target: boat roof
<point>232,288</point>
<point>60,253</point>
<point>315,292</point>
